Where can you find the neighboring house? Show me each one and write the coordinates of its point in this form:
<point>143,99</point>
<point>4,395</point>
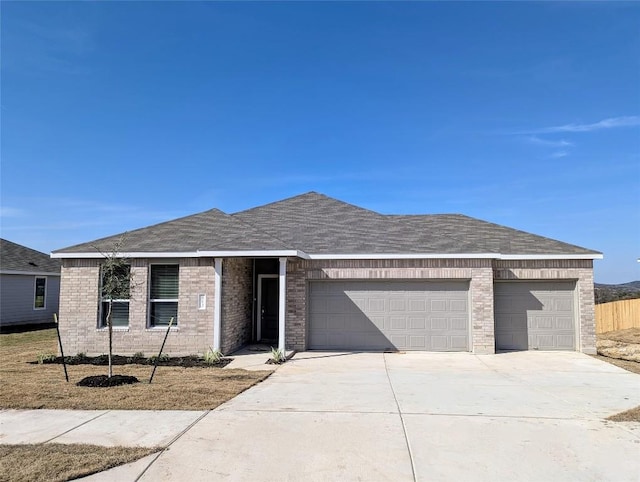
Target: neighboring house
<point>29,285</point>
<point>312,272</point>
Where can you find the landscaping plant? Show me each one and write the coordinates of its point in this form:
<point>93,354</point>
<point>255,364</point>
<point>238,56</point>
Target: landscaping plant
<point>116,285</point>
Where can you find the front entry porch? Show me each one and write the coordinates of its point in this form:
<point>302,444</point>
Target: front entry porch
<point>249,303</point>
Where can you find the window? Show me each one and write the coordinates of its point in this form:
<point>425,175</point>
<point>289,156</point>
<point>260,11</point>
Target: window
<point>115,282</point>
<point>40,293</point>
<point>163,294</point>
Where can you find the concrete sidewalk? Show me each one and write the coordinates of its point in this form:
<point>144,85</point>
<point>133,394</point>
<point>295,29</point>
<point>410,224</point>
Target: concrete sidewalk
<point>111,428</point>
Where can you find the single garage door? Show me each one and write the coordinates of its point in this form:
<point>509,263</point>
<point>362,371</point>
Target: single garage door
<point>534,315</point>
<point>379,315</point>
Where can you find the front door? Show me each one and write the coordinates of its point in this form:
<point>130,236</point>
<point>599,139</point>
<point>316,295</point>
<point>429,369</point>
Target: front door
<point>268,308</point>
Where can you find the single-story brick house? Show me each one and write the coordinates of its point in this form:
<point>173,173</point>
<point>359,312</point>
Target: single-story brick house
<point>313,272</point>
<point>29,285</point>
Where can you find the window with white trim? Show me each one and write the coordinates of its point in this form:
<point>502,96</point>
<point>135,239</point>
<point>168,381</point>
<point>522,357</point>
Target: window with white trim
<point>40,293</point>
<point>163,294</point>
<point>120,304</point>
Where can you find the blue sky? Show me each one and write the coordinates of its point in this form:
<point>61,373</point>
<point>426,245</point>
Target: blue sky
<point>117,115</point>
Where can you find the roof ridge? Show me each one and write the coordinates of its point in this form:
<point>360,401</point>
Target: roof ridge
<point>307,194</point>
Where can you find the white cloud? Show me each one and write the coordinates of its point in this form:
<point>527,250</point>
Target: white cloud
<point>547,142</point>
<point>609,123</point>
<point>559,154</point>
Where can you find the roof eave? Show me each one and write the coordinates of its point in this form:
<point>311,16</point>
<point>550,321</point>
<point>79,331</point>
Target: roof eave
<point>550,256</point>
<point>303,255</point>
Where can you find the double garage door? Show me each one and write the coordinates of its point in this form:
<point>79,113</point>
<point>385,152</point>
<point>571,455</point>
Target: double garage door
<point>535,315</point>
<point>396,315</point>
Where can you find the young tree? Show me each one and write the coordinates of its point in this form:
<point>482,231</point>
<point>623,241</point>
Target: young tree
<point>116,282</point>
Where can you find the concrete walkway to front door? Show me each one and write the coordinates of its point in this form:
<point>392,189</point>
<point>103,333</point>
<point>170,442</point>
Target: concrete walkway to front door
<point>418,416</point>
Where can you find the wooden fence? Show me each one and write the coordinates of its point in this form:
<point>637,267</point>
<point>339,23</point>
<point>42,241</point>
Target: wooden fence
<point>618,315</point>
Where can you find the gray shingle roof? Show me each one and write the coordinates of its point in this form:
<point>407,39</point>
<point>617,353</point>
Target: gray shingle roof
<point>211,230</point>
<point>317,224</point>
<point>15,257</point>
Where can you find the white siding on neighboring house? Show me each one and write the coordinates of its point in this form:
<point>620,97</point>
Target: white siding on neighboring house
<point>17,293</point>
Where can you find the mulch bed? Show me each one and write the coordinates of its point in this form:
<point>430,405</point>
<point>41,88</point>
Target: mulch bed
<point>104,381</point>
<point>103,360</point>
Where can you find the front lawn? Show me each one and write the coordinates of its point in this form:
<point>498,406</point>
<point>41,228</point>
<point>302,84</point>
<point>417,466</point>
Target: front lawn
<point>60,462</point>
<point>28,385</point>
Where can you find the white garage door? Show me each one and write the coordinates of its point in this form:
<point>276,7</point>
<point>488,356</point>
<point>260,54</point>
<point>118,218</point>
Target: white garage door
<point>379,315</point>
<point>535,315</point>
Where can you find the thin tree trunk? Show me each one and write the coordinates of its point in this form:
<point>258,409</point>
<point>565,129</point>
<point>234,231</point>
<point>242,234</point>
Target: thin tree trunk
<point>110,326</point>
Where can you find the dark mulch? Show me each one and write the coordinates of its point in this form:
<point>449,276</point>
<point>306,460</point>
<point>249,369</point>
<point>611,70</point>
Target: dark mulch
<point>271,361</point>
<point>103,360</point>
<point>103,381</point>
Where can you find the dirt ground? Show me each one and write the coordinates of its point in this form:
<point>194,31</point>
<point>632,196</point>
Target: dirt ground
<point>28,385</point>
<point>622,349</point>
<point>622,344</point>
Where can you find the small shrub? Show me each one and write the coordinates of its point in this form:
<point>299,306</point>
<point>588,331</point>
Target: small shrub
<point>137,356</point>
<point>45,358</point>
<point>77,358</point>
<point>162,358</point>
<point>212,356</point>
<point>277,355</point>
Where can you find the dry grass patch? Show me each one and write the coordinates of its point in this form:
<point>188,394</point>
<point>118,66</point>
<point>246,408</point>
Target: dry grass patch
<point>632,415</point>
<point>25,385</point>
<point>60,462</point>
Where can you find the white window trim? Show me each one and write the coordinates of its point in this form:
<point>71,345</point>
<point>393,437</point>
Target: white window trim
<point>149,326</point>
<point>35,285</point>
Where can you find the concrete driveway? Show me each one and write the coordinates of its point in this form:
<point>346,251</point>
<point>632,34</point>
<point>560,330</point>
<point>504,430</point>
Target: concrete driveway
<point>418,416</point>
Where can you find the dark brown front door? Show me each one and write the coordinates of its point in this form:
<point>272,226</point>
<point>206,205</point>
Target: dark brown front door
<point>268,309</point>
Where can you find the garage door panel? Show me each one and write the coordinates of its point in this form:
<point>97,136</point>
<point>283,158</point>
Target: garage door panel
<point>417,323</point>
<point>459,324</point>
<point>459,342</point>
<point>439,343</point>
<point>385,314</point>
<point>418,306</point>
<point>534,315</point>
<point>397,305</point>
<point>564,323</point>
<point>512,341</point>
<point>566,342</point>
<point>458,305</point>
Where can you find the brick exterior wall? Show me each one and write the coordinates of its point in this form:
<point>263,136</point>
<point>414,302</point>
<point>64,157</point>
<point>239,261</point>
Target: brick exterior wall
<point>555,270</point>
<point>79,306</point>
<point>237,302</point>
<point>194,333</point>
